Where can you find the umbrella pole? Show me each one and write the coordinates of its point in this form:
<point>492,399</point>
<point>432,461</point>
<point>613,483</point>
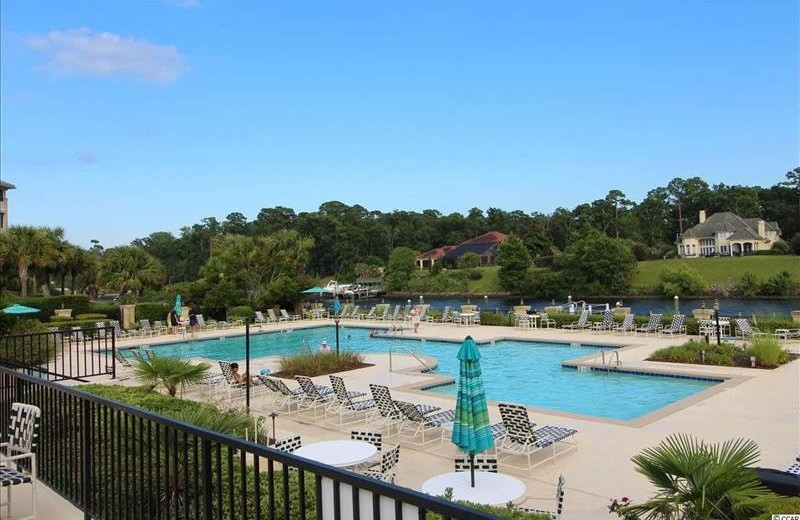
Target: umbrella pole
<point>472,468</point>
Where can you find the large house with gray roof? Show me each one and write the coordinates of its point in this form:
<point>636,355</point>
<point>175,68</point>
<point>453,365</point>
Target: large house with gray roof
<point>727,234</point>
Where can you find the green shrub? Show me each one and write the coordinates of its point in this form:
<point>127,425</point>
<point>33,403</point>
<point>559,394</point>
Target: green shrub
<point>543,261</point>
<point>59,319</point>
<point>780,506</point>
<point>110,309</point>
<point>768,352</point>
<point>748,285</point>
<point>90,316</point>
<point>781,284</point>
<point>781,248</point>
<point>468,260</point>
<point>152,311</point>
<point>312,365</point>
<point>677,354</point>
<point>681,280</point>
<point>503,320</point>
<point>241,311</point>
<point>474,274</point>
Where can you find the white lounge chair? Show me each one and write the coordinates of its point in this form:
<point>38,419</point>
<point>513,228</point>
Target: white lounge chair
<point>523,440</point>
<point>676,327</point>
<point>581,324</point>
<point>18,461</point>
<point>607,323</point>
<point>628,324</point>
<point>286,317</point>
<point>653,325</point>
<point>554,515</point>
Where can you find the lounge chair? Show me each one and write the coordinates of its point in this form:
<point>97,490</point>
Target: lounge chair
<point>786,334</point>
<point>396,315</point>
<point>286,317</point>
<point>18,461</point>
<point>260,319</point>
<point>312,399</point>
<point>416,423</point>
<point>607,323</point>
<point>676,327</point>
<point>554,515</point>
<point>440,319</point>
<point>385,315</point>
<point>581,324</point>
<point>345,405</point>
<point>238,389</point>
<point>145,329</point>
<point>202,325</point>
<point>370,315</point>
<point>387,414</point>
<point>387,471</point>
<point>289,444</point>
<point>746,331</point>
<point>354,315</point>
<point>628,324</point>
<point>523,440</point>
<point>118,332</point>
<point>653,325</point>
<point>272,317</point>
<point>159,327</point>
<point>284,396</point>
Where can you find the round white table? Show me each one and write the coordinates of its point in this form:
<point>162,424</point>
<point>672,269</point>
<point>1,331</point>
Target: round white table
<point>490,488</point>
<point>338,453</point>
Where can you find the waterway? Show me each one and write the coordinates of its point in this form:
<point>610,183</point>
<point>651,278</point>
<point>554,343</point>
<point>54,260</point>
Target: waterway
<point>727,306</point>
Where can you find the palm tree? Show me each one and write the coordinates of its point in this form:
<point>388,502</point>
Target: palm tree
<point>22,246</point>
<point>699,481</point>
<point>129,268</point>
<point>51,254</point>
<point>171,373</point>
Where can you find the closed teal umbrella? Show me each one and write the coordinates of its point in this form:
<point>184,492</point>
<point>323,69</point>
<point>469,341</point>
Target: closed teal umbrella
<point>472,432</point>
<point>178,305</point>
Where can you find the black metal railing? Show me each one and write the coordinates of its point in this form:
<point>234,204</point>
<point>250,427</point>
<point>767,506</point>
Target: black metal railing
<point>57,355</point>
<point>116,461</point>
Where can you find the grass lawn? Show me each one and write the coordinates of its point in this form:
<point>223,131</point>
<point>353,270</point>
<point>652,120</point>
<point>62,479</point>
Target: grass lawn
<point>489,282</point>
<point>722,271</point>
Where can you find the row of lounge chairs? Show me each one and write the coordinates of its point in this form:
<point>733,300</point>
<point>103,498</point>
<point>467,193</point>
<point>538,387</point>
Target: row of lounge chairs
<point>419,424</point>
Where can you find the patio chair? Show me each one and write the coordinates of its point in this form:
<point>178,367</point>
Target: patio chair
<point>312,399</point>
<point>344,404</point>
<point>746,331</point>
<point>238,389</point>
<point>159,328</point>
<point>288,444</point>
<point>581,324</point>
<point>607,323</point>
<point>786,334</point>
<point>18,462</point>
<point>394,315</point>
<point>118,332</point>
<point>545,321</point>
<point>345,312</point>
<point>676,327</point>
<point>653,325</point>
<point>388,467</point>
<point>101,329</point>
<point>416,423</point>
<point>523,440</point>
<point>481,463</point>
<point>76,335</point>
<point>628,324</point>
<point>385,314</point>
<point>554,515</point>
<point>354,313</point>
<point>374,437</point>
<point>286,317</point>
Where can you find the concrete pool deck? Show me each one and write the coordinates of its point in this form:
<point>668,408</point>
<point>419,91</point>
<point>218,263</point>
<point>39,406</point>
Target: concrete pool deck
<point>762,405</point>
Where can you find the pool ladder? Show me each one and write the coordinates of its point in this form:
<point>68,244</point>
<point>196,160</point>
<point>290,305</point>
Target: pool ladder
<point>413,354</point>
<point>613,358</point>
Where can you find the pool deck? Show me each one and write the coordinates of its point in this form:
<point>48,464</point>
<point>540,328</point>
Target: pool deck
<point>762,405</point>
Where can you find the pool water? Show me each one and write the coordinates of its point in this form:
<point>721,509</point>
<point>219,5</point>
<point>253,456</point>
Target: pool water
<point>528,373</point>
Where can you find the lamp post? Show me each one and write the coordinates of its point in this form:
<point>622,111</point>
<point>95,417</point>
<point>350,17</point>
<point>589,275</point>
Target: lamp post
<point>677,305</point>
<point>336,321</point>
<point>273,415</point>
<point>485,303</point>
<point>716,319</point>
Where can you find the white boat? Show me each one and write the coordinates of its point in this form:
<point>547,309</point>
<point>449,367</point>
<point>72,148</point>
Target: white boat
<point>336,288</point>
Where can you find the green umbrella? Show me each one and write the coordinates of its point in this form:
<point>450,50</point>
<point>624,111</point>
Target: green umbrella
<point>178,305</point>
<point>16,308</point>
<point>472,432</point>
<point>316,290</point>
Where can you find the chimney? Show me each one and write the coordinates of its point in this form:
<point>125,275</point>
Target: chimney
<point>762,229</point>
<point>702,216</point>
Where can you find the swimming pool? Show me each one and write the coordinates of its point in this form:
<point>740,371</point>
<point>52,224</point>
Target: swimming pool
<point>522,372</point>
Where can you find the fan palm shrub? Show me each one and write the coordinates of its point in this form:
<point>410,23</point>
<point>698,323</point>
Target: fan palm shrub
<point>699,481</point>
<point>171,373</point>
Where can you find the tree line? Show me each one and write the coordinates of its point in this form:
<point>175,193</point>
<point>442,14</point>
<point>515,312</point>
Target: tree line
<point>273,256</point>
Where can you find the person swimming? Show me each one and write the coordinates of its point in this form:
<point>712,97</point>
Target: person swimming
<point>324,348</point>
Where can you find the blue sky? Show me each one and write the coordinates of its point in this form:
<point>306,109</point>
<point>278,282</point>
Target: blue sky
<point>118,119</point>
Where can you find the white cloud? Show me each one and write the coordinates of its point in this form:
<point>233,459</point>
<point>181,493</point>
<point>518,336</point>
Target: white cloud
<point>83,51</point>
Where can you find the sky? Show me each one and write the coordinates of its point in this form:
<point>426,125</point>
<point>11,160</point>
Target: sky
<point>120,119</point>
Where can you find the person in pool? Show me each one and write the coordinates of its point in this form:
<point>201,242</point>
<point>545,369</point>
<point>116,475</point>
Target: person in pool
<point>324,348</point>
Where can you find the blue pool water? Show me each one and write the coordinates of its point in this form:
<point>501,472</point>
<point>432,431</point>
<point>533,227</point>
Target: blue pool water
<point>514,371</point>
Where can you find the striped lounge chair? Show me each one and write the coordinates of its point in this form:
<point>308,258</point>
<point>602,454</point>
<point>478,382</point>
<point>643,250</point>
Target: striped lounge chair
<point>523,440</point>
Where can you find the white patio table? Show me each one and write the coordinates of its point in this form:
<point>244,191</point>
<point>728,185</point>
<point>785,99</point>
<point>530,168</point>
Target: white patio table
<point>490,488</point>
<point>341,454</point>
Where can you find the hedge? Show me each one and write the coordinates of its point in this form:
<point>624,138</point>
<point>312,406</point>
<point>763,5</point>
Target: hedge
<point>153,311</point>
<point>241,311</point>
<point>79,303</point>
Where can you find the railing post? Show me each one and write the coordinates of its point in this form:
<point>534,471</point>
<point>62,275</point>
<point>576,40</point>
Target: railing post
<point>113,353</point>
<point>208,491</point>
<point>86,456</point>
<point>247,362</point>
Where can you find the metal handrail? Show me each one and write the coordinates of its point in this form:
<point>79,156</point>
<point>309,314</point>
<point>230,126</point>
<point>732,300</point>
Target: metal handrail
<point>614,356</point>
<point>413,354</point>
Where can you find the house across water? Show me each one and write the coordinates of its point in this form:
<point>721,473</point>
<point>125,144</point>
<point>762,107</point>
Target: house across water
<point>727,234</point>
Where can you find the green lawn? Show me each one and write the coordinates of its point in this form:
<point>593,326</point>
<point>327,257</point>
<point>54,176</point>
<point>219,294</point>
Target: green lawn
<point>722,271</point>
<point>489,283</point>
